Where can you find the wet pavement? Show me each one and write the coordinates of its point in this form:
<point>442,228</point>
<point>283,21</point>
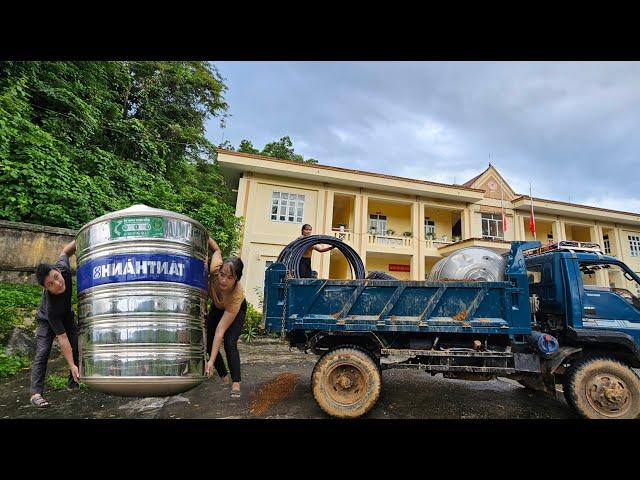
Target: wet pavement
<point>276,384</point>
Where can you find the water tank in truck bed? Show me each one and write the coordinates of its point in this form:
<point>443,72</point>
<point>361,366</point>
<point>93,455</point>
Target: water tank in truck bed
<point>472,263</point>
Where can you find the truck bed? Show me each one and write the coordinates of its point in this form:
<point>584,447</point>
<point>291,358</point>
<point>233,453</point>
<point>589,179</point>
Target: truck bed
<point>473,307</point>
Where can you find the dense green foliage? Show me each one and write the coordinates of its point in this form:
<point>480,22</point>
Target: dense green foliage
<point>80,139</point>
<point>16,301</point>
<point>282,149</point>
<point>252,326</point>
<point>19,295</point>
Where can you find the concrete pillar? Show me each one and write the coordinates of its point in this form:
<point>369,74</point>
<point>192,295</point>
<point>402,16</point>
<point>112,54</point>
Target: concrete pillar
<point>325,263</point>
<point>420,239</point>
<point>475,222</point>
<point>557,229</point>
<point>617,232</point>
<point>364,226</point>
<point>415,222</point>
<point>510,234</point>
<point>521,228</point>
<point>465,223</point>
<point>597,235</point>
<point>249,215</point>
<point>515,234</point>
<point>357,220</point>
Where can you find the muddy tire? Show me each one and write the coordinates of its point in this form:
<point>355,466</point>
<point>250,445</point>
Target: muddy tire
<point>346,382</point>
<point>603,388</point>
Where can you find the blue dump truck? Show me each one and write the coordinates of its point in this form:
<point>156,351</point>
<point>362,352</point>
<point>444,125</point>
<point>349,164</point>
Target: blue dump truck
<point>547,323</point>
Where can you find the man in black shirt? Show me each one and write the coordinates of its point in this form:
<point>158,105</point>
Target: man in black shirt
<point>55,319</point>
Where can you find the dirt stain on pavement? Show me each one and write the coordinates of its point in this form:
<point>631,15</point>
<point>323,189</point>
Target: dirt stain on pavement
<point>272,392</point>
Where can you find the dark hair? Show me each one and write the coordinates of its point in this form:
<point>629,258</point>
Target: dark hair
<point>306,225</point>
<point>42,271</point>
<point>236,266</point>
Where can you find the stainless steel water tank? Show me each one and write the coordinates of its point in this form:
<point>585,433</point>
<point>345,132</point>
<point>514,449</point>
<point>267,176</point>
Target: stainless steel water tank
<point>141,302</point>
<point>472,263</point>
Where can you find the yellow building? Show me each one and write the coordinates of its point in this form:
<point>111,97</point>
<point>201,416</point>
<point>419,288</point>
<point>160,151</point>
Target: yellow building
<point>401,225</point>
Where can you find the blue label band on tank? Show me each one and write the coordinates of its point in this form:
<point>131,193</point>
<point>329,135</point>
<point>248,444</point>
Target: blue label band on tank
<point>142,267</point>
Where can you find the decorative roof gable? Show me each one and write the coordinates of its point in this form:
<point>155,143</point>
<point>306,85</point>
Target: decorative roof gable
<point>492,183</point>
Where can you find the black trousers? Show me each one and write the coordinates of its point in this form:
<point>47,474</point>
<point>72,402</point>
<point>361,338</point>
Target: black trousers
<point>230,341</point>
<point>44,341</point>
<point>305,267</point>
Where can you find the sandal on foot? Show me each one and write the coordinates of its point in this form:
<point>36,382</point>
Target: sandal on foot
<point>235,393</point>
<point>39,401</point>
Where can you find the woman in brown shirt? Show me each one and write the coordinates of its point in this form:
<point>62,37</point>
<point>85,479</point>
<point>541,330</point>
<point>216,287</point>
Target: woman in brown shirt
<point>226,316</point>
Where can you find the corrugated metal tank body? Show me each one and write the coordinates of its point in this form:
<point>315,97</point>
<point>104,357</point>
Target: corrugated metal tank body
<point>141,302</point>
<point>472,263</point>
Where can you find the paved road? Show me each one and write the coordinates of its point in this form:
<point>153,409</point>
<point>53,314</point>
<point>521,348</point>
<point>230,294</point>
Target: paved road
<point>276,385</point>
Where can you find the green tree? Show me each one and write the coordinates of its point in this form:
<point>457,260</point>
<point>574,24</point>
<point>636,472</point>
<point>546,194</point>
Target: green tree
<point>282,149</point>
<point>226,145</point>
<point>80,139</point>
<point>247,147</point>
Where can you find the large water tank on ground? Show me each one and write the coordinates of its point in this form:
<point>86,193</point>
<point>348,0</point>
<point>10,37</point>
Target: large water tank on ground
<point>141,302</point>
<point>471,263</point>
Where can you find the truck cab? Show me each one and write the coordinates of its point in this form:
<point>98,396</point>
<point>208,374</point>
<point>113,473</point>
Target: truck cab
<point>583,300</point>
<point>586,300</point>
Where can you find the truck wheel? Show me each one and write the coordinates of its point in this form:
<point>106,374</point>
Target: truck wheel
<point>346,382</point>
<point>603,388</point>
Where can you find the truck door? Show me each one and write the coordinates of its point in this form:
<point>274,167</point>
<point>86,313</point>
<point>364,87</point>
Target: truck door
<point>605,304</point>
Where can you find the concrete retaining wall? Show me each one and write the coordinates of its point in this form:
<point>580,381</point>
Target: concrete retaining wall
<point>23,246</point>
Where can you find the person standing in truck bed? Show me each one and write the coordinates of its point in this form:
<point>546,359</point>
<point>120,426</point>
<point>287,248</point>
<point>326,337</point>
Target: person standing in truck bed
<point>305,261</point>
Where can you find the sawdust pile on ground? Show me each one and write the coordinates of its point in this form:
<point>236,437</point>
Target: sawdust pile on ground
<point>272,392</point>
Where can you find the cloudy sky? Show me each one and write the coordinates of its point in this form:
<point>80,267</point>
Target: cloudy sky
<point>569,128</point>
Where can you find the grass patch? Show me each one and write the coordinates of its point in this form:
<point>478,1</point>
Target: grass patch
<point>60,382</point>
<point>11,364</point>
<point>57,382</point>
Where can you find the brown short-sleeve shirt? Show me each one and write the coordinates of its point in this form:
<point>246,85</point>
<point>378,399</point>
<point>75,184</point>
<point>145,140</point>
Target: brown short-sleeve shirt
<point>231,302</point>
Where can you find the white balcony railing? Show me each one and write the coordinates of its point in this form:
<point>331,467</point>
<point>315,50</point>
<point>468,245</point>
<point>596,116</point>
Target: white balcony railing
<point>391,241</point>
<point>345,236</point>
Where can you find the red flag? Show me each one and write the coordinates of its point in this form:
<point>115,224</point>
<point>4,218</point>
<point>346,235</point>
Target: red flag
<point>532,219</point>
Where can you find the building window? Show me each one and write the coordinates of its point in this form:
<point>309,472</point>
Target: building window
<point>607,245</point>
<point>429,228</point>
<point>378,223</point>
<point>549,237</point>
<point>634,245</point>
<point>287,207</point>
<point>492,226</point>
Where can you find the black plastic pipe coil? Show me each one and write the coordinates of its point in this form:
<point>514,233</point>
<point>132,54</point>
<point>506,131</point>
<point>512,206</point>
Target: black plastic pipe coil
<point>378,275</point>
<point>293,253</point>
